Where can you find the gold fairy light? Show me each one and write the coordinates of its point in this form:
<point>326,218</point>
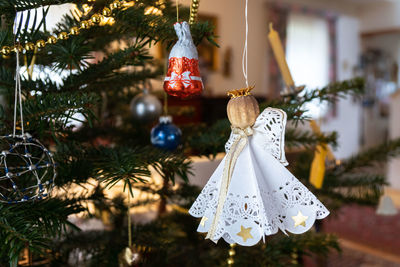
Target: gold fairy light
<point>128,4</point>
<point>107,21</point>
<point>231,254</point>
<point>86,9</point>
<point>152,10</point>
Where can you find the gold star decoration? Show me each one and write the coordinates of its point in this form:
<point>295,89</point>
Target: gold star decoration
<point>203,221</point>
<point>245,233</point>
<point>299,219</point>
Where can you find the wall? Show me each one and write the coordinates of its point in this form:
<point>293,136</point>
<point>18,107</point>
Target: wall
<point>381,15</point>
<point>231,32</point>
<point>385,17</point>
<point>347,120</point>
<point>394,132</point>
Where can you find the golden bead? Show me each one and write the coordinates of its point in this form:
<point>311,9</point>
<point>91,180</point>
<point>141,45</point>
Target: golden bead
<point>40,44</point>
<point>232,252</point>
<point>18,48</point>
<point>195,1</point>
<point>96,18</point>
<point>195,5</point>
<point>29,46</point>
<point>85,24</point>
<point>74,31</point>
<point>230,261</point>
<point>63,36</point>
<point>51,40</point>
<point>5,50</point>
<point>115,4</point>
<point>106,12</point>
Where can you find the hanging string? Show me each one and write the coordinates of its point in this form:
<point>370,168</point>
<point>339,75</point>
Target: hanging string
<point>177,10</point>
<point>165,104</point>
<point>18,98</point>
<point>244,58</point>
<point>18,91</point>
<point>129,221</point>
<point>165,107</point>
<point>190,12</point>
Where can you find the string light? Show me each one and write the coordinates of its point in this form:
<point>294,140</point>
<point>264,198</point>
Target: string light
<point>194,7</point>
<point>231,253</point>
<point>95,19</point>
<point>103,18</point>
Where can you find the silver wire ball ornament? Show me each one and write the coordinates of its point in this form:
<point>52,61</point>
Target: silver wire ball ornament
<point>27,169</point>
<point>145,107</point>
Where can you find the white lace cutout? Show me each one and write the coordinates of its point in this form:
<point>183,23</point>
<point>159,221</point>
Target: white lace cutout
<point>269,132</point>
<point>271,123</point>
<point>263,196</point>
<point>278,203</point>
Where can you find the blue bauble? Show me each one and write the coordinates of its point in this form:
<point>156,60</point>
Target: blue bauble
<point>166,135</point>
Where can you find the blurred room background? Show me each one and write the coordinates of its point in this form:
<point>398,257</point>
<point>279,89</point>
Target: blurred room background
<point>325,41</point>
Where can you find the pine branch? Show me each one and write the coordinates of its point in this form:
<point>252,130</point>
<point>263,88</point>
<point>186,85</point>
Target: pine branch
<point>10,6</point>
<point>361,188</point>
<point>49,114</point>
<point>107,68</point>
<point>293,105</point>
<point>299,138</point>
<point>33,224</point>
<point>130,165</point>
<point>205,140</point>
<point>153,27</point>
<point>121,164</point>
<point>330,93</point>
<point>371,156</point>
<point>54,106</point>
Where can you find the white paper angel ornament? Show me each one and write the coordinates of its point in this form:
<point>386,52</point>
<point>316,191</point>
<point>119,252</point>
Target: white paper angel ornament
<point>251,194</point>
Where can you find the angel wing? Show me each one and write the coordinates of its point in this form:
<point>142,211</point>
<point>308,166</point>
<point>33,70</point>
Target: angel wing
<point>269,132</point>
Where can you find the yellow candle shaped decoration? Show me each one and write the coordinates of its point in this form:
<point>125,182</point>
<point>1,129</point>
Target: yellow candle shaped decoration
<point>277,47</point>
<point>323,151</point>
<point>317,171</point>
<point>315,128</point>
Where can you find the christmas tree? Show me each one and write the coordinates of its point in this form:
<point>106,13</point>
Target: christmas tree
<point>109,147</point>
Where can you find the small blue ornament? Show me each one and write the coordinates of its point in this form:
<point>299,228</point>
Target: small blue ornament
<point>166,135</point>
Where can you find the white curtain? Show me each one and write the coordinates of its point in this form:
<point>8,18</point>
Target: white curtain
<point>307,53</point>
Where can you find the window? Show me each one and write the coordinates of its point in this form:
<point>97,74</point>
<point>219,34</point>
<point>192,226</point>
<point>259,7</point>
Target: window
<point>307,53</point>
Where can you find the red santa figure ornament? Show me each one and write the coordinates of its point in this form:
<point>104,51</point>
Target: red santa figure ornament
<point>183,76</point>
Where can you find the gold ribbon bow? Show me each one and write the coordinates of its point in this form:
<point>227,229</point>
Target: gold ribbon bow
<point>230,161</point>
